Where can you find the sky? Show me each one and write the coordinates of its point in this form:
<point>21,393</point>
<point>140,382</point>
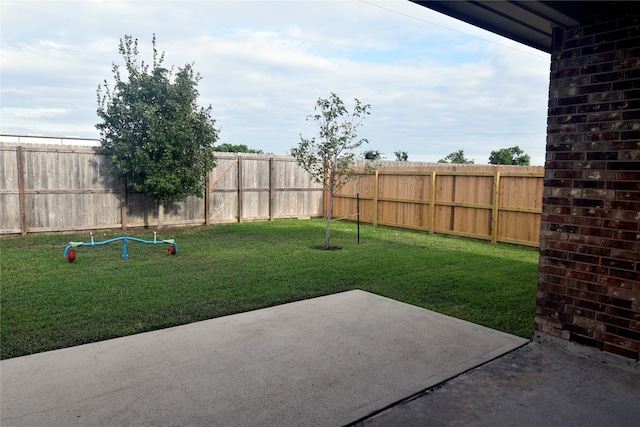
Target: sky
<point>435,84</point>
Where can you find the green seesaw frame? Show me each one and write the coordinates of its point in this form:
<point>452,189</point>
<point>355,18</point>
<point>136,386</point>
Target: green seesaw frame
<point>70,252</point>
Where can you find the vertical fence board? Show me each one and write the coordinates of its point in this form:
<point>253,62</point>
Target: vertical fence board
<point>295,194</point>
<point>223,189</point>
<point>22,201</point>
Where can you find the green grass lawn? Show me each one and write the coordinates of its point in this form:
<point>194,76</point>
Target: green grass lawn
<point>48,303</point>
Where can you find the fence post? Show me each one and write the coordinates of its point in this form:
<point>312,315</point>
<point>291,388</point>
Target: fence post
<point>432,204</point>
<point>206,199</point>
<point>123,204</point>
<point>21,196</point>
<point>375,200</point>
<point>272,189</point>
<point>494,211</point>
<point>239,187</point>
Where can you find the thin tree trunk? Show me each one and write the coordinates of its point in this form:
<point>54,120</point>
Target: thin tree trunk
<point>328,231</point>
<point>160,216</point>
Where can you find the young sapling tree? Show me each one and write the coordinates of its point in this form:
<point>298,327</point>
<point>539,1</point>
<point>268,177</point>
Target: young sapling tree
<point>330,159</point>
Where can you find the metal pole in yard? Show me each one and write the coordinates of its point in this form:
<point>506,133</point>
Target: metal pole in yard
<point>358,213</point>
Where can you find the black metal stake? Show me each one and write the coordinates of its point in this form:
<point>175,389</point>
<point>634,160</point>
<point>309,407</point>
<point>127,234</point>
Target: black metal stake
<point>358,213</point>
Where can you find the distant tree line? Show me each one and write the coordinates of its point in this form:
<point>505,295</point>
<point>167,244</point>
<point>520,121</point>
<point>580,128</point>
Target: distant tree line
<point>373,155</point>
<point>241,148</point>
<point>505,156</point>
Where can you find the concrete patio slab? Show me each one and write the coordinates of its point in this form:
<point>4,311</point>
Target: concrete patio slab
<point>330,360</point>
<point>548,382</point>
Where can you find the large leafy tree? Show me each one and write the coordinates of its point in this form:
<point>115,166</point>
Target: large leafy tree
<point>159,141</point>
<point>330,159</point>
<point>509,156</point>
<point>457,157</point>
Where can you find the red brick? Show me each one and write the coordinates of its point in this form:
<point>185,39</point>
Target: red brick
<point>552,305</point>
<point>627,294</point>
<point>562,245</point>
<point>546,320</point>
<point>621,225</point>
<point>552,270</point>
<point>591,286</point>
<point>602,136</point>
<point>599,232</point>
<point>618,302</point>
<point>590,305</point>
<point>625,186</point>
<point>626,235</point>
<point>570,309</point>
<point>626,255</point>
<point>590,184</point>
<point>560,263</point>
<point>616,282</point>
<point>556,332</point>
<point>626,166</point>
<point>551,288</point>
<point>581,294</point>
<point>623,332</point>
<point>593,250</point>
<point>596,146</point>
<point>555,201</point>
<point>586,240</point>
<point>588,203</point>
<point>581,339</point>
<point>620,351</point>
<point>613,320</point>
<point>624,245</point>
<point>604,116</point>
<point>576,329</point>
<point>623,274</point>
<point>618,263</point>
<point>591,324</point>
<point>593,212</point>
<point>561,280</point>
<point>621,312</point>
<point>622,205</point>
<point>629,176</point>
<point>626,215</point>
<point>591,268</point>
<point>623,145</point>
<point>556,219</point>
<point>554,254</point>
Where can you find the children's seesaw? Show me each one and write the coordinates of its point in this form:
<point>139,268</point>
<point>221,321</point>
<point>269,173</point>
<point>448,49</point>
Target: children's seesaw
<point>70,252</point>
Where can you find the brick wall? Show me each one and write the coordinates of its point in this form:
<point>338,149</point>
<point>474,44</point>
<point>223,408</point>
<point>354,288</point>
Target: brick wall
<point>589,274</point>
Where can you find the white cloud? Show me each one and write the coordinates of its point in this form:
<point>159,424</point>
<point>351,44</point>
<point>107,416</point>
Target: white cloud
<point>436,85</point>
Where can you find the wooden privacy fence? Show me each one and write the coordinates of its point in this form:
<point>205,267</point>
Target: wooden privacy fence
<point>496,203</point>
<point>45,188</point>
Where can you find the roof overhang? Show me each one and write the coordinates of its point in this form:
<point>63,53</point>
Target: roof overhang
<point>527,22</point>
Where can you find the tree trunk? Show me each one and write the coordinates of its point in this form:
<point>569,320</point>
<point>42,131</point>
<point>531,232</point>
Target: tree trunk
<point>160,216</point>
<point>328,231</point>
